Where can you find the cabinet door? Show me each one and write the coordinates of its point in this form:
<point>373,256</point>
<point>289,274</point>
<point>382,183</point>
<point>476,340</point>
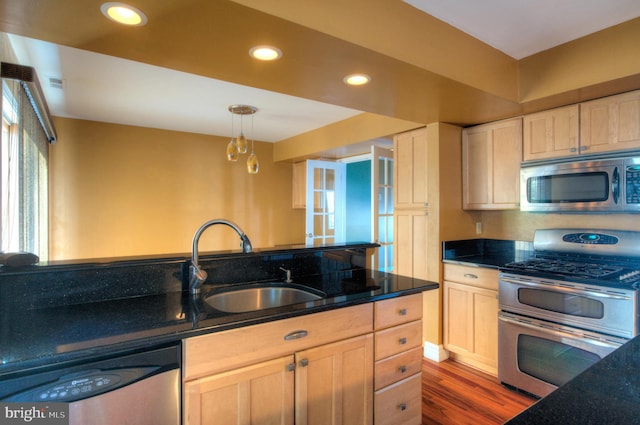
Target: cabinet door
<point>299,185</point>
<point>491,157</point>
<point>334,383</point>
<point>471,324</point>
<point>551,134</point>
<point>257,394</point>
<point>610,124</point>
<point>411,236</point>
<point>410,170</point>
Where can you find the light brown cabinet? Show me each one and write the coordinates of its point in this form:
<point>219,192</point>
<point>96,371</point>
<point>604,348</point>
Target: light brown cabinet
<point>610,124</point>
<point>299,185</point>
<point>411,203</point>
<point>410,155</point>
<point>411,233</point>
<point>306,369</point>
<point>398,361</point>
<point>470,303</point>
<point>551,134</point>
<point>491,157</point>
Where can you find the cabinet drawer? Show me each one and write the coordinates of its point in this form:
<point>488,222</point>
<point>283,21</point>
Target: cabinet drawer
<point>400,404</point>
<point>398,339</point>
<point>474,276</point>
<point>398,367</point>
<point>399,310</point>
<point>220,351</point>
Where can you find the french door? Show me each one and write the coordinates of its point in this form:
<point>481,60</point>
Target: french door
<point>326,189</point>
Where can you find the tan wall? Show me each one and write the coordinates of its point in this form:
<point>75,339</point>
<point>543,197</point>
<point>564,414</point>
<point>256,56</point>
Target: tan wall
<point>120,191</point>
<point>518,225</point>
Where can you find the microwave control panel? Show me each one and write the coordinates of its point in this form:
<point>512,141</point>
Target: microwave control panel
<point>632,184</point>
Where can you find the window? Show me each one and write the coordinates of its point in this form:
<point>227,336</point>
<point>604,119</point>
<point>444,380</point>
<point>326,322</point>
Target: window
<point>24,158</point>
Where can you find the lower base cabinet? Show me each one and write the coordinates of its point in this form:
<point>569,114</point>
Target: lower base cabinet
<point>398,354</point>
<point>257,394</point>
<point>357,365</point>
<point>470,307</point>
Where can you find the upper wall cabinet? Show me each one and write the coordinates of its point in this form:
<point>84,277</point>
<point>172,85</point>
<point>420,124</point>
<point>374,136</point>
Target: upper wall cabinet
<point>410,156</point>
<point>491,157</point>
<point>604,125</point>
<point>551,134</point>
<point>611,123</point>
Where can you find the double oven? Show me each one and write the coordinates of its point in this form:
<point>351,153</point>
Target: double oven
<point>570,305</point>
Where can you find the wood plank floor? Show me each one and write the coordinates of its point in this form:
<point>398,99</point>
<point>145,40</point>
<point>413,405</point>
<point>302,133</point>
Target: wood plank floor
<point>455,394</point>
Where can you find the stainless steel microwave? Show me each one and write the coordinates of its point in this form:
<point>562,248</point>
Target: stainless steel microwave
<point>607,185</point>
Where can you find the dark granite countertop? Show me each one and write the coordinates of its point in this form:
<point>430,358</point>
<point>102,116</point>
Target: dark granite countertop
<point>489,253</point>
<point>606,393</point>
<point>40,331</point>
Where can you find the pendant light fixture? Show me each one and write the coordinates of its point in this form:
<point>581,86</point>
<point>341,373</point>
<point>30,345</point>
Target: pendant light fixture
<point>238,145</point>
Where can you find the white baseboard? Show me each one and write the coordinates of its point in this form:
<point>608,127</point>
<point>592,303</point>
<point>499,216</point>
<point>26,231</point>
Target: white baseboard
<point>435,352</point>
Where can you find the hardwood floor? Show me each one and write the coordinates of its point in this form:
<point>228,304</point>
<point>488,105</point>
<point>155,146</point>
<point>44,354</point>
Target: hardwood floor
<point>455,394</point>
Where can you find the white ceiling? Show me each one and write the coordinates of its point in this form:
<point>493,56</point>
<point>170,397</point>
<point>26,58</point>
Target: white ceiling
<point>103,88</point>
<point>521,28</point>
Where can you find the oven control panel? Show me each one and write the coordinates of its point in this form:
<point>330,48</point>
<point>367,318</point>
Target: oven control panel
<point>590,238</point>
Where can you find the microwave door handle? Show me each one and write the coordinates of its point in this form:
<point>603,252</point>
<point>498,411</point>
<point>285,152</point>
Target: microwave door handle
<point>615,185</point>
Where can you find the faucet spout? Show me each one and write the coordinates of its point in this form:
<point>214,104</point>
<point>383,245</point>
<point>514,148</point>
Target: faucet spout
<point>197,276</point>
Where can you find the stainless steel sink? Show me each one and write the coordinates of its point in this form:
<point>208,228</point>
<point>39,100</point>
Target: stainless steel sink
<point>243,298</point>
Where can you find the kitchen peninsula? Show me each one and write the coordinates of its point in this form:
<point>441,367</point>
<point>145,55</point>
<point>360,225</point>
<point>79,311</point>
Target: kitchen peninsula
<point>66,314</point>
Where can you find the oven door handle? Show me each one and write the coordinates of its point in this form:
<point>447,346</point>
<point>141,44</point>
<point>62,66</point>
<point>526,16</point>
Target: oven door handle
<point>558,332</point>
<point>557,288</point>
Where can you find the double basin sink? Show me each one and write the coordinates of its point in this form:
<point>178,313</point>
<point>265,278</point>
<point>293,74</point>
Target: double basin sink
<point>245,298</point>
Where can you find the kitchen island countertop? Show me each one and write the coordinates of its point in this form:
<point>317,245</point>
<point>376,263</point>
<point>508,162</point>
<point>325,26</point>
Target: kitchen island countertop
<point>606,393</point>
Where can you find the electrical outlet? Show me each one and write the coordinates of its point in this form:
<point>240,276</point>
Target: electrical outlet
<point>478,227</point>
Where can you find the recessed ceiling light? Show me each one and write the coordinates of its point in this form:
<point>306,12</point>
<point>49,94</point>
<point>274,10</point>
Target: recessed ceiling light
<point>123,14</point>
<point>356,79</point>
<point>265,53</point>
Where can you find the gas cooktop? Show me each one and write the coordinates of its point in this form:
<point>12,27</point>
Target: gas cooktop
<point>597,257</point>
<point>583,271</point>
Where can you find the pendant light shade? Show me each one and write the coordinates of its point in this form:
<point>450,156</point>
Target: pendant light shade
<point>239,145</point>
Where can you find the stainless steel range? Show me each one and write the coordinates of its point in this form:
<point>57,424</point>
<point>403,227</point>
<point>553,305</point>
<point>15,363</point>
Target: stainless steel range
<point>572,304</point>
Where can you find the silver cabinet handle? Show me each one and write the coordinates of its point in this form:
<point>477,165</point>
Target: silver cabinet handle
<point>470,276</point>
<point>402,406</point>
<point>402,341</point>
<point>402,369</point>
<point>304,362</point>
<point>291,367</point>
<point>402,312</point>
<point>295,335</point>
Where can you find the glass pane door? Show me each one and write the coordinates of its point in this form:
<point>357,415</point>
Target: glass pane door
<point>382,208</point>
<point>325,202</point>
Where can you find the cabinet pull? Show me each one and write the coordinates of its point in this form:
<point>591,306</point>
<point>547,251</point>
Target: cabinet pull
<point>304,362</point>
<point>470,276</point>
<point>402,369</point>
<point>295,335</point>
<point>402,406</point>
<point>402,312</point>
<point>402,341</point>
<point>291,367</point>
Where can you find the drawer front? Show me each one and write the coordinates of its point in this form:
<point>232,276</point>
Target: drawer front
<point>475,276</point>
<point>399,404</point>
<point>398,339</point>
<point>396,311</point>
<point>220,351</point>
<point>398,367</point>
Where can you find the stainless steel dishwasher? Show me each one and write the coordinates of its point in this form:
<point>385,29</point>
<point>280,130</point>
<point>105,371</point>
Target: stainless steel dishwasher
<point>139,388</point>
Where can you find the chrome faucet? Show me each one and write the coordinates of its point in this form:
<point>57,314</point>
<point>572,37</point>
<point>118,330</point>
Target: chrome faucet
<point>197,276</point>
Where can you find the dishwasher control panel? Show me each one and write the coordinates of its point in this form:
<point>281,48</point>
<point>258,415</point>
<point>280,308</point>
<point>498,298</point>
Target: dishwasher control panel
<point>81,385</point>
